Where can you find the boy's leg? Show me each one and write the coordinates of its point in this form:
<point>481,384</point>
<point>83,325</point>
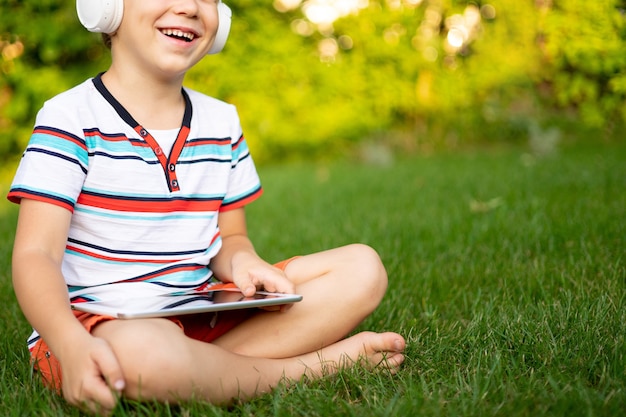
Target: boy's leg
<point>340,287</point>
<point>159,362</point>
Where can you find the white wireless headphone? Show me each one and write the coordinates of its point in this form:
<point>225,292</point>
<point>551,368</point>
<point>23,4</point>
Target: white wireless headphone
<point>106,15</point>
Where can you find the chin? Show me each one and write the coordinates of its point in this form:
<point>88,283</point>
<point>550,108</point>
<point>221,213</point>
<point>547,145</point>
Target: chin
<point>176,69</point>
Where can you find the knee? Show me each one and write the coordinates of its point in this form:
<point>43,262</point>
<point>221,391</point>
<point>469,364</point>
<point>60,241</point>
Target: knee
<point>369,271</point>
<point>151,356</point>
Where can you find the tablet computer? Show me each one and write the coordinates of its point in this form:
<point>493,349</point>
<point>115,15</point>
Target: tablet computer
<point>220,298</point>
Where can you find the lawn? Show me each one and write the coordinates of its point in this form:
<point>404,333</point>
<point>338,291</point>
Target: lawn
<point>507,277</point>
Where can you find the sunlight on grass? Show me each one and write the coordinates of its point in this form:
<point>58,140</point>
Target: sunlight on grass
<point>508,280</point>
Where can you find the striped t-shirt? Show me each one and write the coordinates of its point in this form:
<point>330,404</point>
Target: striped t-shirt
<point>144,222</point>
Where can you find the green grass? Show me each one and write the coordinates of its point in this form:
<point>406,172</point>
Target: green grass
<point>507,277</point>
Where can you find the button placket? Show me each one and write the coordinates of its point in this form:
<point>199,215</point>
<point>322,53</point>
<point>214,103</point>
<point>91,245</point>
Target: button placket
<point>168,163</point>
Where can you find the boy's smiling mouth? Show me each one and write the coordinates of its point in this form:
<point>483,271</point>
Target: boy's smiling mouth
<point>179,34</point>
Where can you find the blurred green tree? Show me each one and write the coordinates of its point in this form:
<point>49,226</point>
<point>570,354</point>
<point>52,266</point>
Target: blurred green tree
<point>583,48</point>
<point>311,78</point>
<point>43,51</point>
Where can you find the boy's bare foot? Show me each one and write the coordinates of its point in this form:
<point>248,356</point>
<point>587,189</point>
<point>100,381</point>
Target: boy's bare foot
<point>368,349</point>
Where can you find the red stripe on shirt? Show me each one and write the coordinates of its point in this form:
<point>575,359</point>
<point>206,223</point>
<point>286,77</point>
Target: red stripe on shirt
<point>242,202</point>
<point>16,197</point>
<point>111,258</point>
<point>52,132</point>
<point>148,206</point>
<point>168,271</point>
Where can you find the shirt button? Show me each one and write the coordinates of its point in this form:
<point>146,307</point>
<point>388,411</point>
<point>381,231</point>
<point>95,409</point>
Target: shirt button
<point>174,184</point>
<point>172,167</point>
<point>143,133</point>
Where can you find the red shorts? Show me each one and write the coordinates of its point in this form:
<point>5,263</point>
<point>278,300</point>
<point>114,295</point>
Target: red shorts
<point>205,327</point>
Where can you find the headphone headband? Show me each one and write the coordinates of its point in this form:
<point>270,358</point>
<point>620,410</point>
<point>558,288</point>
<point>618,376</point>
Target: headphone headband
<point>105,16</point>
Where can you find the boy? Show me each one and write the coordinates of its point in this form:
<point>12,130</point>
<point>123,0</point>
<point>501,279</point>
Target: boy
<point>132,184</point>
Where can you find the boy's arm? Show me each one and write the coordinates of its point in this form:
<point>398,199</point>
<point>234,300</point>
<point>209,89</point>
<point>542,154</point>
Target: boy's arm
<point>238,262</point>
<point>41,291</point>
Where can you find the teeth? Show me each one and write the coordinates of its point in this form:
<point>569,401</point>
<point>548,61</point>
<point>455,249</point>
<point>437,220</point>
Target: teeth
<point>178,33</point>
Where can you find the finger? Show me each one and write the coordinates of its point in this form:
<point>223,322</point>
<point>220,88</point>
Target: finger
<point>110,369</point>
<point>245,284</point>
<point>265,283</point>
<point>269,278</point>
<point>93,396</point>
<point>285,307</point>
<point>97,408</point>
<point>270,308</point>
<point>274,280</point>
<point>98,397</point>
<point>277,308</point>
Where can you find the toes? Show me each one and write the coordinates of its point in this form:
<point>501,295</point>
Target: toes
<point>389,342</point>
<point>391,361</point>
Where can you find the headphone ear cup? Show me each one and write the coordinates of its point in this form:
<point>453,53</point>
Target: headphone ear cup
<point>100,15</point>
<point>224,15</point>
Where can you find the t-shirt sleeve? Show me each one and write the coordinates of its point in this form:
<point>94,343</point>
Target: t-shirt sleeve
<point>54,165</point>
<point>244,183</point>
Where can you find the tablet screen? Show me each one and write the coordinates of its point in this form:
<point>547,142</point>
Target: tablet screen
<point>184,303</point>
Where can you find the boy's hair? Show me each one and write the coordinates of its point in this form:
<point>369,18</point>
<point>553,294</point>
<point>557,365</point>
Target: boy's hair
<point>106,38</point>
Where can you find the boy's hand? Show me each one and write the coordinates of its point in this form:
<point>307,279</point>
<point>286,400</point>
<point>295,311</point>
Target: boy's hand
<point>251,273</point>
<point>238,262</point>
<point>92,376</point>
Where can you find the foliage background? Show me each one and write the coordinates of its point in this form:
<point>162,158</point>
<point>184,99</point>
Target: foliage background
<point>518,305</point>
<point>387,75</point>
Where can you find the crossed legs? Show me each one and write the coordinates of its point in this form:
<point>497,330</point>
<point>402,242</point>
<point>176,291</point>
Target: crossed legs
<point>340,287</point>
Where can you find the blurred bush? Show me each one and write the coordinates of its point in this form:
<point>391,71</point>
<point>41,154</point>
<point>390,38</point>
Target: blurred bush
<point>314,78</point>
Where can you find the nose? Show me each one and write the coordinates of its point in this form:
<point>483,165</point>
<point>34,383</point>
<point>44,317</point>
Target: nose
<point>186,7</point>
